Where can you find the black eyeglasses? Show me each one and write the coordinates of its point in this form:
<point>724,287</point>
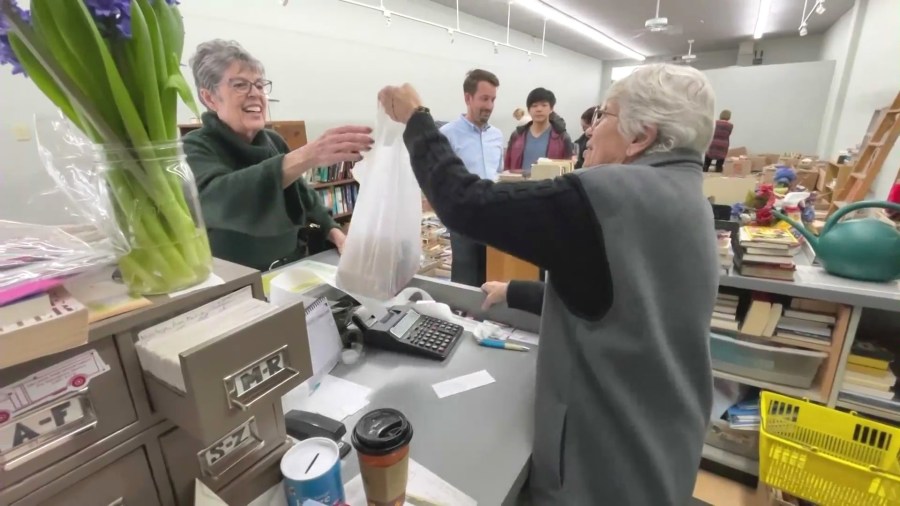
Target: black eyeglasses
<point>599,112</point>
<point>243,86</point>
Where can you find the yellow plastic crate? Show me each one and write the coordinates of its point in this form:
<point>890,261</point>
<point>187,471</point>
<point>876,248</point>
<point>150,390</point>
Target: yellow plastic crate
<point>827,456</point>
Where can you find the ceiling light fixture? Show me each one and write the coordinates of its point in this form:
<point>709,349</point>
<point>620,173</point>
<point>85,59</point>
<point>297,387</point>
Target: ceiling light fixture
<point>820,7</point>
<point>762,18</point>
<point>556,15</point>
<point>803,30</point>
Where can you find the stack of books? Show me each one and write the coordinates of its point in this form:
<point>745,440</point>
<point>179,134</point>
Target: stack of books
<point>768,253</point>
<point>726,253</point>
<point>725,313</point>
<point>869,372</point>
<point>804,323</point>
<point>745,414</point>
<point>807,328</point>
<point>436,253</point>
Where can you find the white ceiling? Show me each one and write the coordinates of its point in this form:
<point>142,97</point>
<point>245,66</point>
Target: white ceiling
<point>714,24</point>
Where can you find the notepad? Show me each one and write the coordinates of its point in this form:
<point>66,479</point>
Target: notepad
<point>159,346</point>
<point>324,339</point>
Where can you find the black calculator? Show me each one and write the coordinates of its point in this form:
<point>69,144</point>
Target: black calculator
<point>404,330</point>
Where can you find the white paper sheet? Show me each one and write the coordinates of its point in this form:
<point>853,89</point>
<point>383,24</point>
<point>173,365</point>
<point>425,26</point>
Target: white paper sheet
<point>335,398</point>
<point>422,484</point>
<point>211,281</point>
<point>462,383</point>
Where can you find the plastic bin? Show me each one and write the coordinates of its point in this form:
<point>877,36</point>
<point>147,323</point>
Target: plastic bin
<point>827,456</point>
<point>785,366</point>
<point>740,442</point>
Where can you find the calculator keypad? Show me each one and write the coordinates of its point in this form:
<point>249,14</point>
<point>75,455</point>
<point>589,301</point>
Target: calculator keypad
<point>434,335</point>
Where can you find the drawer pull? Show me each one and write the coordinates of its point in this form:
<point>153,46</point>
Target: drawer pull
<point>252,383</point>
<point>41,430</point>
<point>225,453</point>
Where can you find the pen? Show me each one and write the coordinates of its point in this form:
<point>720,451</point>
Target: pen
<point>503,345</point>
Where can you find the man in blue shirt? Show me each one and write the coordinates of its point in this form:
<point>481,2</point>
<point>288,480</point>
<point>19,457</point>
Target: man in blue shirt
<point>480,147</point>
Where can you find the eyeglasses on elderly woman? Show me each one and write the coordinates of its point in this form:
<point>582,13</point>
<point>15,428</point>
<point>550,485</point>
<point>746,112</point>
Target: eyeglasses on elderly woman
<point>242,86</point>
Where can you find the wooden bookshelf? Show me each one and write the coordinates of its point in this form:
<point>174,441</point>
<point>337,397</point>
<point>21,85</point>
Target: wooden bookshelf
<point>342,215</point>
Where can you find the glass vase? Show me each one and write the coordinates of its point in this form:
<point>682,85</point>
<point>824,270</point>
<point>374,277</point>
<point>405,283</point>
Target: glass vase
<point>155,204</point>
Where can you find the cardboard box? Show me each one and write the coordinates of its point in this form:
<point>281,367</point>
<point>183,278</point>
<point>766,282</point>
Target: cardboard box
<point>808,178</point>
<point>738,167</point>
<point>741,151</point>
<point>787,161</point>
<point>771,158</point>
<point>757,162</point>
<point>728,190</point>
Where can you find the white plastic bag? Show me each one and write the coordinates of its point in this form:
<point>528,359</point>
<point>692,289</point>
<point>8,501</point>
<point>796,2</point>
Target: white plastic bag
<point>384,247</point>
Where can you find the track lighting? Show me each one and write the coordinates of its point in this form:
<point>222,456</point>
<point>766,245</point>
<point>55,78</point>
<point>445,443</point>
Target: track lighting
<point>820,7</point>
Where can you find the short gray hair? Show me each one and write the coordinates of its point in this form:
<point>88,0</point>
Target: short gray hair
<point>678,99</point>
<point>213,57</point>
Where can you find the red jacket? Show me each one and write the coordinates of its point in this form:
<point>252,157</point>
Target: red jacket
<point>718,148</point>
<point>559,147</point>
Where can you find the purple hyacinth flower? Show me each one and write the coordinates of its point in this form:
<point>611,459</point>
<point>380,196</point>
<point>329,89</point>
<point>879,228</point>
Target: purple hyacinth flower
<point>111,16</point>
<point>7,56</point>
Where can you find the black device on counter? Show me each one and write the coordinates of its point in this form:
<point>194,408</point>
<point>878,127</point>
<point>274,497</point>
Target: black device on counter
<point>302,425</point>
<point>404,330</point>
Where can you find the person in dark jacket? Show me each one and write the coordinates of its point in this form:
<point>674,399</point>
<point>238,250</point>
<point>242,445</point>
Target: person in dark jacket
<point>718,148</point>
<point>622,319</point>
<point>581,143</point>
<point>544,136</point>
<point>253,198</point>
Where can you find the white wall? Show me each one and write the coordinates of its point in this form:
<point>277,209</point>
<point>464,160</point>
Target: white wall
<point>775,108</point>
<point>776,51</point>
<point>328,60</point>
<point>838,45</point>
<point>874,81</point>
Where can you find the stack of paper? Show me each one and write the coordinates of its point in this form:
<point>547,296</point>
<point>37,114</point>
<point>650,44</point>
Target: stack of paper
<point>159,347</point>
<point>41,325</point>
<point>333,397</point>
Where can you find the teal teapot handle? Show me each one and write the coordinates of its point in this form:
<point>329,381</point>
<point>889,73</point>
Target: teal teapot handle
<point>864,204</point>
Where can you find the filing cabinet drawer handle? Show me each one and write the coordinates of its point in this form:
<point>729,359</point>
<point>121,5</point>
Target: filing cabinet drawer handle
<point>63,414</point>
<point>285,375</point>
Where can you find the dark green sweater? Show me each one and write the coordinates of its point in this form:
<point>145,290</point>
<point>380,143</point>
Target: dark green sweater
<point>250,218</point>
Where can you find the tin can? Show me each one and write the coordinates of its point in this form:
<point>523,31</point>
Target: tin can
<point>312,472</point>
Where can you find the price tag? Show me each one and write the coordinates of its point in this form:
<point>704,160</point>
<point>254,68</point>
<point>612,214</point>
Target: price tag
<point>238,441</point>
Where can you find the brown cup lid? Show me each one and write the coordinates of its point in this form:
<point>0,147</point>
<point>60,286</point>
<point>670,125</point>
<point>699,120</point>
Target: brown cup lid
<point>381,431</point>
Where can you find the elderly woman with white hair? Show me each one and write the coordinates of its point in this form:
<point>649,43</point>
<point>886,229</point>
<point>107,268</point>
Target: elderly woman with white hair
<point>624,385</point>
<point>253,198</point>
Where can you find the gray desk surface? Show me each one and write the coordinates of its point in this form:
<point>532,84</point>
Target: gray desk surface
<point>480,440</point>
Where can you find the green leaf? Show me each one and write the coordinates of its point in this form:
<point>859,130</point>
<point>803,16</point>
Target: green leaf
<point>146,71</point>
<point>176,81</point>
<point>42,80</point>
<point>67,42</point>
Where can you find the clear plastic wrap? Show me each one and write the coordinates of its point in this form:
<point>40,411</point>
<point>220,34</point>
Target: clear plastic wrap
<point>384,247</point>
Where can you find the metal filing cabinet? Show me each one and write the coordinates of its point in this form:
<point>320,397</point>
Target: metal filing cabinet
<point>125,423</point>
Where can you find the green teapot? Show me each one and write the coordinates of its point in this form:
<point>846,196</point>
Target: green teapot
<point>867,249</point>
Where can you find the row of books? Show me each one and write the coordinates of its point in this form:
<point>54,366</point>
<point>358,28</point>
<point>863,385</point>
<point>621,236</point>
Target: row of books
<point>768,252</point>
<point>340,199</point>
<point>869,373</point>
<point>803,323</point>
<point>337,172</point>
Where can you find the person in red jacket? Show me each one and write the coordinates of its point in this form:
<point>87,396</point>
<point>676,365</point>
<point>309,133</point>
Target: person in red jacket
<point>718,148</point>
<point>544,136</point>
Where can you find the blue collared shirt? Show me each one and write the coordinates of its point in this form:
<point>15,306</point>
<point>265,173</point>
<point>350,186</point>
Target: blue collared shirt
<point>480,149</point>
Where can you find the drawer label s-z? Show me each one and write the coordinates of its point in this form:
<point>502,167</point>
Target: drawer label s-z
<point>43,424</point>
<point>235,444</point>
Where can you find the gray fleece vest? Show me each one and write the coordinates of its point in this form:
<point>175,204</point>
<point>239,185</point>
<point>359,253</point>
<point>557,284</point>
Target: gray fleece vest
<point>623,403</point>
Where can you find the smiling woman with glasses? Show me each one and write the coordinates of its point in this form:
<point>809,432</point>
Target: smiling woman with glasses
<point>253,198</point>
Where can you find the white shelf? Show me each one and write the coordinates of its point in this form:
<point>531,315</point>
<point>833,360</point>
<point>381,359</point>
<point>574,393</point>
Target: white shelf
<point>731,460</point>
<point>799,393</point>
<point>869,410</point>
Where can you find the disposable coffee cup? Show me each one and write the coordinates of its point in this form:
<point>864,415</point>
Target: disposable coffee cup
<point>381,438</point>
